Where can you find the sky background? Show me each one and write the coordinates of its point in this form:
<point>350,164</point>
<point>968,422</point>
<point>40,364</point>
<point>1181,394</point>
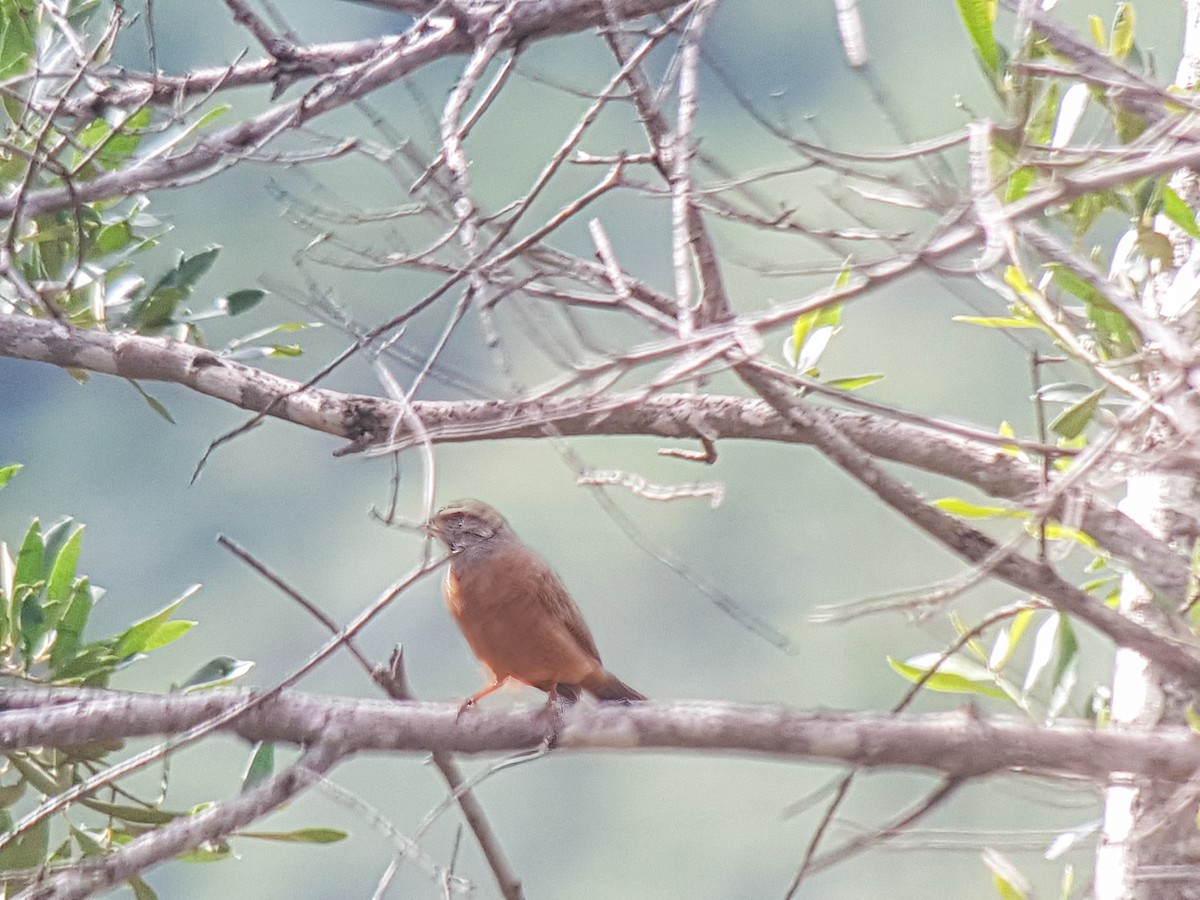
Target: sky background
<point>793,533</point>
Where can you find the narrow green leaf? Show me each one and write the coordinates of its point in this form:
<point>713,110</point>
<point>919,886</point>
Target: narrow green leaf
<point>136,638</point>
<point>7,472</point>
<point>978,17</point>
<point>997,321</point>
<point>152,401</point>
<point>62,571</point>
<point>1075,418</point>
<point>955,676</point>
<point>31,557</point>
<point>1056,531</point>
<point>260,766</point>
<point>1179,212</point>
<point>70,626</point>
<point>1008,880</point>
<point>1122,31</point>
<point>299,836</point>
<point>1067,649</point>
<point>136,815</point>
<point>853,382</point>
<point>962,508</point>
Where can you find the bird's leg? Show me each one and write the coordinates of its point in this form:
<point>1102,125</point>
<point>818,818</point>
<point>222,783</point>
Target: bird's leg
<point>556,702</point>
<point>475,698</point>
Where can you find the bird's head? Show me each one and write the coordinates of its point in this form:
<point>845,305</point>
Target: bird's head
<point>467,523</point>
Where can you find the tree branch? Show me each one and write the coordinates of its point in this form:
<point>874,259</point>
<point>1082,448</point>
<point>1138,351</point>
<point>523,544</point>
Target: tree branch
<point>367,421</point>
<point>959,743</point>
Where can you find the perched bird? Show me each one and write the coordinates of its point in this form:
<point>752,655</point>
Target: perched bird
<point>514,610</point>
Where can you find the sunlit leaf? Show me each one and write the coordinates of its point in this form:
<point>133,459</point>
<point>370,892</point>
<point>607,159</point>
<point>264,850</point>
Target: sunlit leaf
<point>963,509</point>
<point>979,16</point>
<point>1179,212</point>
<point>954,676</point>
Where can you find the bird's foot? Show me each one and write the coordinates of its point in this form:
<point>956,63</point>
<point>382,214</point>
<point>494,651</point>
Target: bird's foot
<point>469,703</point>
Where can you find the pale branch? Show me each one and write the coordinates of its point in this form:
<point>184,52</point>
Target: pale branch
<point>397,56</point>
<point>368,421</point>
<point>189,832</point>
<point>959,743</point>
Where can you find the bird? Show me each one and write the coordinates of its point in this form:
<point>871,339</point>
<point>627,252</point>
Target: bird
<point>515,612</point>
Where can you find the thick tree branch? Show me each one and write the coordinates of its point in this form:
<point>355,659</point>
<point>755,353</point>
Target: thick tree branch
<point>958,743</point>
<point>366,421</point>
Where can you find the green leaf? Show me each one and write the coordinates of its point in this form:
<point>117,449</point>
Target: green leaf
<point>1010,884</point>
<point>1019,183</point>
<point>811,333</point>
<point>1074,419</point>
<point>1008,640</point>
<point>240,301</point>
<point>167,633</point>
<point>31,557</point>
<point>954,676</point>
<point>17,42</point>
<point>216,672</point>
<point>139,637</point>
<point>92,665</point>
<point>261,765</point>
<point>1122,32</point>
<point>28,850</point>
<point>299,836</point>
<point>141,890</point>
<point>136,815</point>
<point>124,142</point>
<point>62,568</point>
<point>978,16</point>
<point>1179,212</point>
<point>997,321</point>
<point>70,626</point>
<point>1067,648</point>
<point>113,238</point>
<point>152,401</point>
<point>963,509</point>
<point>1056,531</point>
<point>854,382</point>
<point>7,472</point>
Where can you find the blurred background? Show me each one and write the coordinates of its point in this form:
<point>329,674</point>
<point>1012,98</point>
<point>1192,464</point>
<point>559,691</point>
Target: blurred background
<point>791,535</point>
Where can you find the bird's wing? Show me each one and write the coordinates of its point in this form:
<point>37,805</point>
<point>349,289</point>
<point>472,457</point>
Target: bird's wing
<point>554,594</point>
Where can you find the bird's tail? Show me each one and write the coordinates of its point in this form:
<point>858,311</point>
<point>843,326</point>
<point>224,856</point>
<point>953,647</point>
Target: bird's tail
<point>604,685</point>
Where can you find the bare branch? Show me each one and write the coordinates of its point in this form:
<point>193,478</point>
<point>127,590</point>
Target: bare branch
<point>955,743</point>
